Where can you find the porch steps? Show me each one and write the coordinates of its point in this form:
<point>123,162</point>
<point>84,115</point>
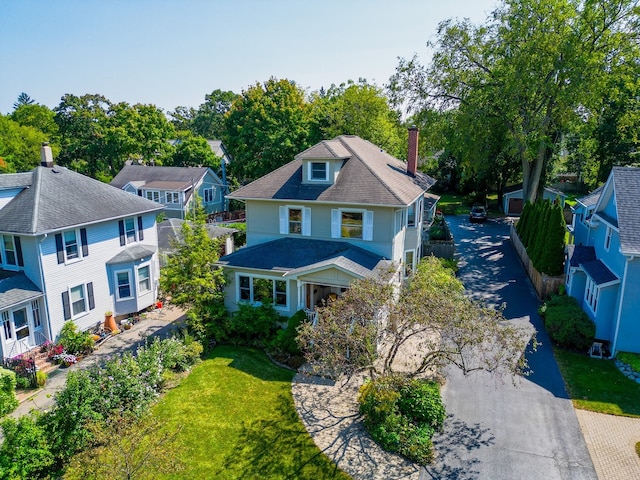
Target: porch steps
<point>43,364</point>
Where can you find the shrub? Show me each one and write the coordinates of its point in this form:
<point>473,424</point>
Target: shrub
<point>285,339</point>
<point>253,325</point>
<point>25,452</point>
<point>567,324</point>
<point>208,322</point>
<point>41,378</point>
<point>75,342</point>
<point>8,400</point>
<point>402,415</point>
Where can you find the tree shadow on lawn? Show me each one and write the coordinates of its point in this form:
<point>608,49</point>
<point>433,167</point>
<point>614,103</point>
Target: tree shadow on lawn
<point>278,447</point>
<point>253,362</point>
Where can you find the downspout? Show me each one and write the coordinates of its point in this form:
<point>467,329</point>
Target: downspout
<point>624,284</point>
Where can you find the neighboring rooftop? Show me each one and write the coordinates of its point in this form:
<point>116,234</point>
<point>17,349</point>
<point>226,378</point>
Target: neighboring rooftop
<point>626,183</point>
<point>55,198</point>
<point>368,176</point>
<point>592,198</point>
<point>171,177</point>
<point>169,231</point>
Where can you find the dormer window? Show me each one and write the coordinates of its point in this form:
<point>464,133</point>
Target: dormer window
<point>319,171</point>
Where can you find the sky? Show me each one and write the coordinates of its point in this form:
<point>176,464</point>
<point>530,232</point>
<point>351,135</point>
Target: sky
<point>173,53</point>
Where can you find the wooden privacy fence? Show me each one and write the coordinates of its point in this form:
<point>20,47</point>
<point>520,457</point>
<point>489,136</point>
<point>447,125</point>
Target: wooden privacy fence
<point>544,284</point>
<point>439,248</point>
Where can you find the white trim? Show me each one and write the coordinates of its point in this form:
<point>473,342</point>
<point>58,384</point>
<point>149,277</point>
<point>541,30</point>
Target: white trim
<point>67,260</point>
<point>154,193</point>
<point>6,265</point>
<point>74,315</point>
<point>310,164</point>
<point>607,238</point>
<point>592,295</point>
<point>251,301</point>
<point>413,263</point>
<point>149,279</point>
<point>117,284</point>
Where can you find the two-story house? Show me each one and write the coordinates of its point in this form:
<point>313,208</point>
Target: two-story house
<point>71,249</point>
<point>173,187</point>
<point>603,264</point>
<point>341,210</point>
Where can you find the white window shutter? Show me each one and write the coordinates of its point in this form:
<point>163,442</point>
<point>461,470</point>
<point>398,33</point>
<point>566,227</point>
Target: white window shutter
<point>306,222</point>
<point>335,223</point>
<point>283,221</point>
<point>367,231</point>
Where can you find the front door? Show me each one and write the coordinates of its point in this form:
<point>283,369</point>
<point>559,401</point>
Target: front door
<point>21,327</point>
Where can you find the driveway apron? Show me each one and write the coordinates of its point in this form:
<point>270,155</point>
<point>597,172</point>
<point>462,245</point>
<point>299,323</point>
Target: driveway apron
<point>499,429</point>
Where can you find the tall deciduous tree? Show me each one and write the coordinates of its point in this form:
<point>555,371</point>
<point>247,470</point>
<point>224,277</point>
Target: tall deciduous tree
<point>208,120</point>
<point>431,321</point>
<point>535,65</point>
<point>19,146</point>
<point>358,109</point>
<point>192,151</point>
<point>266,127</point>
<point>37,116</point>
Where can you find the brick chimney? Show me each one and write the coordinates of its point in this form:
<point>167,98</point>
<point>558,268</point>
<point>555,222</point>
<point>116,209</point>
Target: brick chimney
<point>412,156</point>
<point>46,155</point>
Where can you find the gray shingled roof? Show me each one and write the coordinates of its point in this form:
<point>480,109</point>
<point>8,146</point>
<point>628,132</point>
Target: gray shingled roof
<point>136,173</point>
<point>169,230</point>
<point>599,272</point>
<point>16,288</point>
<point>579,254</point>
<point>592,198</point>
<point>57,198</point>
<point>626,181</point>
<point>369,176</point>
<point>132,254</point>
<point>278,255</point>
<point>518,186</point>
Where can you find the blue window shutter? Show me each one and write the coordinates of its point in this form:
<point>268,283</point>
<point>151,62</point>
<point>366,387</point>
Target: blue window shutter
<point>59,248</point>
<point>65,305</point>
<point>140,229</point>
<point>92,303</point>
<point>83,240</point>
<point>16,240</point>
<point>123,240</point>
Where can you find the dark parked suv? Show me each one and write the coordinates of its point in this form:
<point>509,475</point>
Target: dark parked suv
<point>478,214</point>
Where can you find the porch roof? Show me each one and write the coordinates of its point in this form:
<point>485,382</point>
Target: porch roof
<point>599,272</point>
<point>579,254</point>
<point>16,288</point>
<point>133,254</point>
<point>293,256</point>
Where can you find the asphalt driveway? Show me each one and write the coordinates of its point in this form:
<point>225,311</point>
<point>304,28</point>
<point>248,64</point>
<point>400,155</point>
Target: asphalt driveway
<point>497,430</point>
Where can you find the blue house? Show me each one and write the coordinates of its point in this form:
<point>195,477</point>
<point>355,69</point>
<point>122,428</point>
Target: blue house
<point>603,263</point>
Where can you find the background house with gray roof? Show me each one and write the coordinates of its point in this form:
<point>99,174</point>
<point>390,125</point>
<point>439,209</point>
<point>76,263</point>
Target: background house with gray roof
<point>603,263</point>
<point>173,187</point>
<point>71,248</point>
<point>341,210</point>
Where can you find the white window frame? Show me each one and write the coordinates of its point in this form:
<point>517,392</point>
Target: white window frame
<point>367,223</point>
<point>7,325</point>
<point>251,300</point>
<point>140,279</point>
<point>172,198</point>
<point>130,234</point>
<point>310,171</point>
<point>607,238</point>
<point>14,252</point>
<point>117,285</point>
<point>592,295</point>
<point>285,223</point>
<point>35,314</point>
<point>65,246</point>
<point>412,212</point>
<point>210,193</point>
<point>153,195</point>
<point>83,290</point>
<point>409,268</point>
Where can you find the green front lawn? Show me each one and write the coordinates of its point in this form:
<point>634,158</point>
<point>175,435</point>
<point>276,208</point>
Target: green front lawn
<point>597,385</point>
<point>238,420</point>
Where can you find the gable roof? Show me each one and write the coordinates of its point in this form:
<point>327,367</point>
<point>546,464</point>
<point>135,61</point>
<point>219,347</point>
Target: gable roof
<point>310,255</point>
<point>518,186</point>
<point>177,178</point>
<point>57,198</point>
<point>368,175</point>
<point>591,199</point>
<point>626,184</point>
<point>170,230</point>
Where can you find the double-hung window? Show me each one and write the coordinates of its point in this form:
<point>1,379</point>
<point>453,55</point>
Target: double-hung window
<point>9,250</point>
<point>607,238</point>
<point>78,300</point>
<point>295,220</point>
<point>411,215</point>
<point>72,245</point>
<point>173,197</point>
<point>123,285</point>
<point>131,230</point>
<point>208,195</point>
<point>153,195</point>
<point>144,279</point>
<point>592,294</point>
<point>352,224</point>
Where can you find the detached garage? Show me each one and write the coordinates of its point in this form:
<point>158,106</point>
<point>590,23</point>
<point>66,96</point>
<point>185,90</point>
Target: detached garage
<point>512,201</point>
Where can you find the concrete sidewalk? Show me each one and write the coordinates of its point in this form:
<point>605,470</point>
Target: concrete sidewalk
<point>159,322</point>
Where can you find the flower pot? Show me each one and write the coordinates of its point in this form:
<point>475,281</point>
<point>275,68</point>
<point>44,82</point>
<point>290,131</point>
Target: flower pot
<point>109,323</point>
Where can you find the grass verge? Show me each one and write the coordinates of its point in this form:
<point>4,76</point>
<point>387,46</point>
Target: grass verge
<point>597,385</point>
<point>238,420</point>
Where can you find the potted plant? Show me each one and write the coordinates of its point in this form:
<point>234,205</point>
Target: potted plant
<point>109,321</point>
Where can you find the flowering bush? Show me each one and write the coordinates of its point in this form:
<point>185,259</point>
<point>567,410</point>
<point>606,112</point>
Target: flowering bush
<point>66,358</point>
<point>55,351</point>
